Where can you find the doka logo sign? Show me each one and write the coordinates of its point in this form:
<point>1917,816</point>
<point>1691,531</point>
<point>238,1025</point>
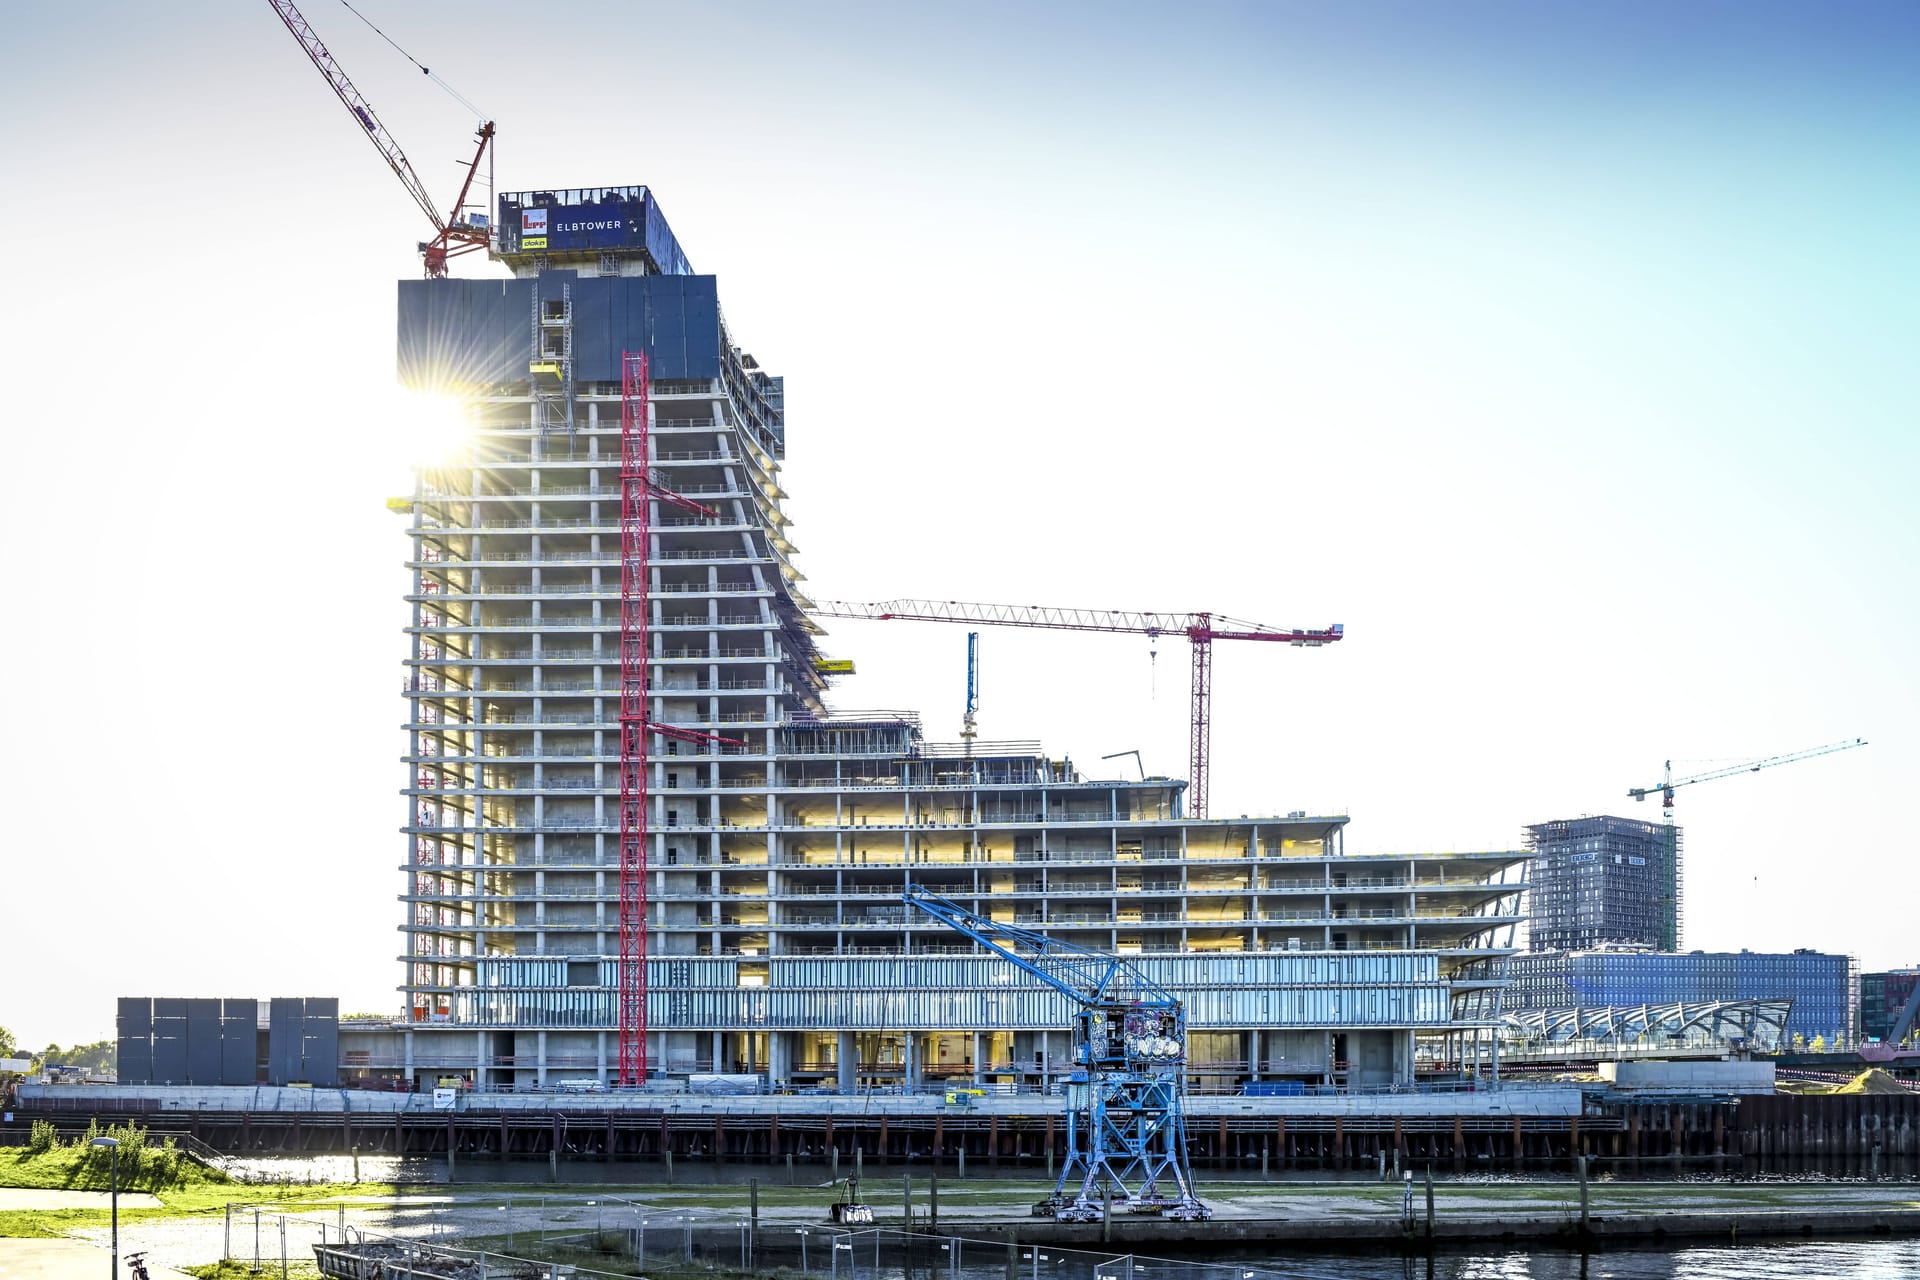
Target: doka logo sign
<point>533,228</point>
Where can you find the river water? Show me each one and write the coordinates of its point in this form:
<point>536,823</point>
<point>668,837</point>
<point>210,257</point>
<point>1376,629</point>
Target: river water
<point>1799,1260</point>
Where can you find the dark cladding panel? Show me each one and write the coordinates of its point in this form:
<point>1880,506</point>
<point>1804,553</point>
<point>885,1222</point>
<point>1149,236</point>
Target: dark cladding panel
<point>169,1052</point>
<point>169,1007</point>
<point>321,1051</point>
<point>239,1041</point>
<point>134,1061</point>
<point>286,1023</point>
<point>455,332</point>
<point>135,1017</point>
<point>700,316</point>
<point>203,1042</point>
<point>593,329</point>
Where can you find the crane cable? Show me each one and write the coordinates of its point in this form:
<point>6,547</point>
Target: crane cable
<point>424,70</point>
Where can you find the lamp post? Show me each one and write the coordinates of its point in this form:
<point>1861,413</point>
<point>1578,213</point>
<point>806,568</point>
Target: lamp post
<point>114,1145</point>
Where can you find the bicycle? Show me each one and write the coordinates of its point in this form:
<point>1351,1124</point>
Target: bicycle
<point>137,1266</point>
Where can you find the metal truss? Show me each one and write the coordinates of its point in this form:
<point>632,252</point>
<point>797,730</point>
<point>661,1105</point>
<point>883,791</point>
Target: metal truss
<point>1758,1025</point>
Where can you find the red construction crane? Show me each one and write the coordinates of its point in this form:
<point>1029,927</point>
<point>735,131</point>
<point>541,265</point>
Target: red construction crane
<point>1200,628</point>
<point>637,493</point>
<point>452,236</point>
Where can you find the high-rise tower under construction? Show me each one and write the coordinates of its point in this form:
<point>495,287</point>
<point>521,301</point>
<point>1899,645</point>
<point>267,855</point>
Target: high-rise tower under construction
<point>779,844</point>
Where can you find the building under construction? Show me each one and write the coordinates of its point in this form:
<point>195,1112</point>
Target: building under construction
<point>1602,881</point>
<point>771,836</point>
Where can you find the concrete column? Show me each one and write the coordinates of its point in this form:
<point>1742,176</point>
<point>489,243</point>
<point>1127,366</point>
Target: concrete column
<point>1255,1043</point>
<point>849,1061</point>
<point>979,1060</point>
<point>482,1073</point>
<point>911,1050</point>
<point>717,1050</point>
<point>779,1057</point>
<point>540,1050</point>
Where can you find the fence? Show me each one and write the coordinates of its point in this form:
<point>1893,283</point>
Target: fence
<point>686,1244</point>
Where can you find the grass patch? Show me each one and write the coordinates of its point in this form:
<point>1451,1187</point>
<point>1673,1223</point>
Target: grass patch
<point>233,1269</point>
<point>78,1169</point>
<point>202,1196</point>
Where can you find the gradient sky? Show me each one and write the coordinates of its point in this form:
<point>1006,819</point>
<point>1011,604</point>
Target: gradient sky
<point>1564,353</point>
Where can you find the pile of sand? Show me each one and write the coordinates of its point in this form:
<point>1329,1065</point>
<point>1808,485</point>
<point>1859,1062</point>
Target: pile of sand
<point>1874,1081</point>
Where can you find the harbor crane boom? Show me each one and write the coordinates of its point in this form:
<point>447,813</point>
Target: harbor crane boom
<point>1126,1116</point>
<point>452,236</point>
<point>1202,629</point>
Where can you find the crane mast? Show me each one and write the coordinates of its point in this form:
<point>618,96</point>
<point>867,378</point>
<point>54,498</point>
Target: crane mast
<point>638,492</point>
<point>1201,629</point>
<point>1126,1114</point>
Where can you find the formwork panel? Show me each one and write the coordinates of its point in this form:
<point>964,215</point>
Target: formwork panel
<point>134,1060</point>
<point>203,1042</point>
<point>170,1051</point>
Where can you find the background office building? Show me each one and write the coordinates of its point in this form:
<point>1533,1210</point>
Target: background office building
<point>1820,985</point>
<point>1889,1004</point>
<point>1600,881</point>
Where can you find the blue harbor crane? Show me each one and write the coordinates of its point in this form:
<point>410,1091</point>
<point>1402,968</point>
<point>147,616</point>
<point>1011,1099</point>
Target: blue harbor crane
<point>1126,1116</point>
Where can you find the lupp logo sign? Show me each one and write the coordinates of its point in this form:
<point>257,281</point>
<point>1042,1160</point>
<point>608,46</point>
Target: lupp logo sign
<point>533,228</point>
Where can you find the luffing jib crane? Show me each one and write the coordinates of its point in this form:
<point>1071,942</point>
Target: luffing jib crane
<point>452,234</point>
<point>1126,1116</point>
<point>1202,629</point>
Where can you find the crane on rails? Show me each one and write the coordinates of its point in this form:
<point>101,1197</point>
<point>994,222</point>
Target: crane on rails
<point>453,234</point>
<point>1202,629</point>
<point>1126,1114</point>
<point>1671,836</point>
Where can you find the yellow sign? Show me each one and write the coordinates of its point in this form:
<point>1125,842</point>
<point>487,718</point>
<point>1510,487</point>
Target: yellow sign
<point>833,666</point>
<point>533,242</point>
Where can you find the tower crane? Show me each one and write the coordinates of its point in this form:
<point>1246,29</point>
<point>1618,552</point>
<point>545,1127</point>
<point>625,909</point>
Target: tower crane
<point>452,235</point>
<point>1126,1117</point>
<point>1202,629</point>
<point>1669,784</point>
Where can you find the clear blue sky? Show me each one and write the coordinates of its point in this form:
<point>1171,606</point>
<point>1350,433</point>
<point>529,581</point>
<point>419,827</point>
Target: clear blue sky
<point>1563,353</point>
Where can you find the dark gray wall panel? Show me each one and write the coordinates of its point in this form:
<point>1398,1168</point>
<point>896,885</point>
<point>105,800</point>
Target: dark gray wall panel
<point>321,1051</point>
<point>170,1056</point>
<point>135,1060</point>
<point>285,1019</point>
<point>135,1017</point>
<point>237,1040</point>
<point>169,1007</point>
<point>481,330</point>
